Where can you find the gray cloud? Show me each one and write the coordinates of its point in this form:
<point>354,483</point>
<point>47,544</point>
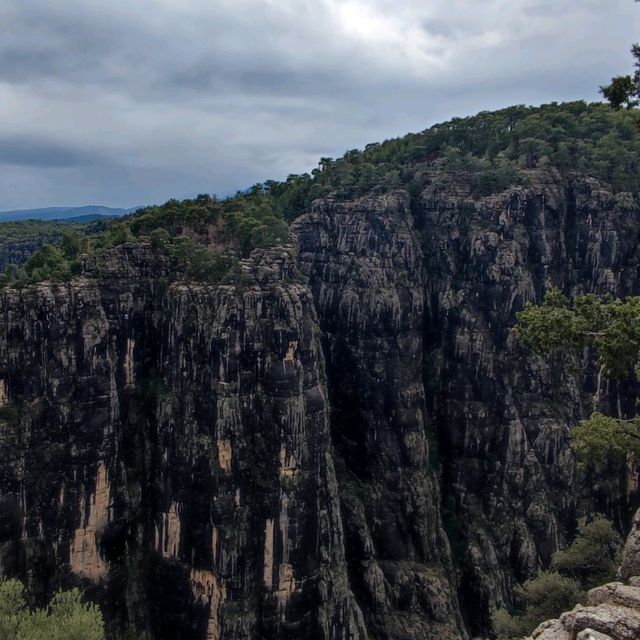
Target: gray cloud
<point>38,152</point>
<point>123,103</point>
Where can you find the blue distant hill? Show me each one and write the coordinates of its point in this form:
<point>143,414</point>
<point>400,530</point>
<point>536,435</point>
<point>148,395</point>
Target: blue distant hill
<point>89,213</point>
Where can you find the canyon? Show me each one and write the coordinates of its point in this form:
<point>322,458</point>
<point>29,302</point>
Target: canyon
<point>346,442</point>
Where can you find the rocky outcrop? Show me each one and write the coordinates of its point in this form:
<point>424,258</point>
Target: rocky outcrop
<point>503,417</point>
<point>612,612</point>
<point>630,565</point>
<point>364,263</point>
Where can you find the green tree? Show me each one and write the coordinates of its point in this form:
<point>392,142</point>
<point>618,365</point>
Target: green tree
<point>48,263</point>
<point>588,561</point>
<point>612,327</point>
<point>591,557</point>
<point>622,91</point>
<point>13,608</point>
<point>66,618</point>
<point>625,90</point>
<point>542,598</point>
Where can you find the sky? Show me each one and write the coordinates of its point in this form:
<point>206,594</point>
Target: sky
<point>125,103</point>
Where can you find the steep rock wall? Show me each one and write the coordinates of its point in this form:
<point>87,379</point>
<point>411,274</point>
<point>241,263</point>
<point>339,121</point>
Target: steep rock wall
<point>282,457</point>
<point>364,264</point>
<point>503,416</point>
<point>170,444</point>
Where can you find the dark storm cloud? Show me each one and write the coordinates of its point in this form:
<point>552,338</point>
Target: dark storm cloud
<point>46,42</point>
<point>37,152</point>
<point>123,102</point>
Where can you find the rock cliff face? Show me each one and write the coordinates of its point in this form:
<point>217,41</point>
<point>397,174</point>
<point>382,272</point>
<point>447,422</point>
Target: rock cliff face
<point>503,417</point>
<point>364,263</point>
<point>348,444</point>
<point>171,444</point>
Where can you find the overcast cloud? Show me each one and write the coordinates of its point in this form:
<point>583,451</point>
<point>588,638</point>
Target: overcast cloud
<point>124,102</point>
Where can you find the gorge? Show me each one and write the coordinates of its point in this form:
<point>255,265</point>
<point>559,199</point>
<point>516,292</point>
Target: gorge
<point>341,437</point>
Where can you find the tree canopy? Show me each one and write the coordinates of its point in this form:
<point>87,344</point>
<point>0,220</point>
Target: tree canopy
<point>612,327</point>
<point>624,91</point>
<point>486,153</point>
<point>588,561</point>
<point>66,617</point>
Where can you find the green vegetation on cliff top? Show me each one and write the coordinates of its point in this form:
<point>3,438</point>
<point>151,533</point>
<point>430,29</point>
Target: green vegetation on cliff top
<point>26,230</point>
<point>489,152</point>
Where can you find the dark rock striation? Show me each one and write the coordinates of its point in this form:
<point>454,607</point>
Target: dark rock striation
<point>364,263</point>
<point>171,443</point>
<point>511,490</point>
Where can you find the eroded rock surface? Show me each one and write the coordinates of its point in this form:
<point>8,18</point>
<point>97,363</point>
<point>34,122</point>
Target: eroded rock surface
<point>170,444</point>
<point>347,443</point>
<point>364,263</point>
<point>503,417</point>
<point>630,565</point>
<point>611,612</point>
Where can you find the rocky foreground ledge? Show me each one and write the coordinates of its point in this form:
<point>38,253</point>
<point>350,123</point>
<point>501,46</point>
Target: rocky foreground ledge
<point>612,611</point>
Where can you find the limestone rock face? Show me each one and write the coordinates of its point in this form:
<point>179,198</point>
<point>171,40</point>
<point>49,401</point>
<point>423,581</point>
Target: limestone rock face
<point>503,417</point>
<point>630,565</point>
<point>364,262</point>
<point>170,444</point>
<point>347,443</point>
<point>612,611</point>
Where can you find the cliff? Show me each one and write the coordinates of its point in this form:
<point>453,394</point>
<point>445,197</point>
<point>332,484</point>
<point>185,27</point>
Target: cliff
<point>343,440</point>
<point>182,438</point>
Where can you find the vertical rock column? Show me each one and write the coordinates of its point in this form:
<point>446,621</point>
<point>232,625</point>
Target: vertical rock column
<point>364,265</point>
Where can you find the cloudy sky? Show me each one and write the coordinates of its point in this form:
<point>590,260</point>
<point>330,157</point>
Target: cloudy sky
<point>128,102</point>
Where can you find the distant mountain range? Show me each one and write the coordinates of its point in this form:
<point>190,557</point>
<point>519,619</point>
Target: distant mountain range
<point>87,213</point>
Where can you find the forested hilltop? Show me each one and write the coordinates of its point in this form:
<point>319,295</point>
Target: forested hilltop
<point>489,152</point>
<point>19,240</point>
<point>303,412</point>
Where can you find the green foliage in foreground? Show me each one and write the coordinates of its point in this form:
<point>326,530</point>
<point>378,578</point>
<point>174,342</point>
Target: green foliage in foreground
<point>612,327</point>
<point>590,560</point>
<point>66,617</point>
<point>542,598</point>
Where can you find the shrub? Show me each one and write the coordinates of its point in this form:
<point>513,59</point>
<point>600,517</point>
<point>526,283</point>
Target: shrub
<point>591,558</point>
<point>542,598</point>
<point>66,617</point>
